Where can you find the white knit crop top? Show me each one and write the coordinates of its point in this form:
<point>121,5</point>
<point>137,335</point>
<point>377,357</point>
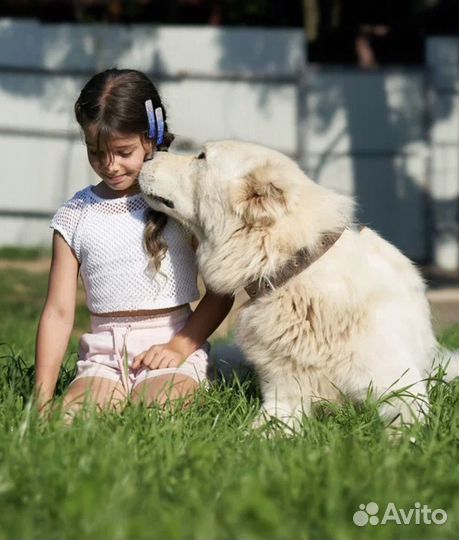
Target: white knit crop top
<point>106,236</point>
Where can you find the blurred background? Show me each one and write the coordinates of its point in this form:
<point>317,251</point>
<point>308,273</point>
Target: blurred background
<point>364,94</point>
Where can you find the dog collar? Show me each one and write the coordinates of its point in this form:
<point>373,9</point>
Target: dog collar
<point>302,259</point>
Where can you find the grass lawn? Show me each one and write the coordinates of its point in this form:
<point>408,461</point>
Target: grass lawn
<point>203,473</point>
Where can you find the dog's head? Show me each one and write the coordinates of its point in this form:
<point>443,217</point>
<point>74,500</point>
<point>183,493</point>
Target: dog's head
<point>250,207</point>
<point>227,185</point>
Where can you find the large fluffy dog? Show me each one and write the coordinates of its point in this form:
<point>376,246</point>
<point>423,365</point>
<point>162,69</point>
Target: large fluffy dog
<point>336,310</point>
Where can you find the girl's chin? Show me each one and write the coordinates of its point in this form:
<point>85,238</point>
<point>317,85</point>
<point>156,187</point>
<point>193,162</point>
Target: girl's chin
<point>125,187</point>
<point>118,182</point>
<point>122,184</point>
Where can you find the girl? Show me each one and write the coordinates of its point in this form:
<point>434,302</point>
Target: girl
<point>137,266</point>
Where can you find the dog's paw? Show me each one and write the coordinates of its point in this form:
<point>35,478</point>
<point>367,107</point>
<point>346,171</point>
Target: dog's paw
<point>270,424</point>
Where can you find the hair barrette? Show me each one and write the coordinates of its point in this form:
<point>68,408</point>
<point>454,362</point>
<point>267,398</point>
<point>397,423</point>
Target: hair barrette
<point>155,122</point>
<point>160,124</point>
<point>151,119</point>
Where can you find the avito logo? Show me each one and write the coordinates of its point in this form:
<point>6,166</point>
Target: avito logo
<point>368,514</point>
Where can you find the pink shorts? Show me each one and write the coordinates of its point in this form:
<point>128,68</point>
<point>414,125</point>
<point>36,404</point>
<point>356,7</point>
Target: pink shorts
<point>108,350</point>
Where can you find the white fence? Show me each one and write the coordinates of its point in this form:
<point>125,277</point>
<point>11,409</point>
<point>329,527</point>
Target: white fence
<point>389,137</point>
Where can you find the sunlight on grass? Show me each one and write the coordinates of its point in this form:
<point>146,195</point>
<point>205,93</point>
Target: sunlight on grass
<point>203,472</point>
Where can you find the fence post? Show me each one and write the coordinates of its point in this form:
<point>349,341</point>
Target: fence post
<point>442,70</point>
<point>302,109</point>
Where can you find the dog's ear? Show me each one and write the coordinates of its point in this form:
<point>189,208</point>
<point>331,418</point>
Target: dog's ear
<point>260,198</point>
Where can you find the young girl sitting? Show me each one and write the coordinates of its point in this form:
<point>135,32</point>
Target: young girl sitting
<point>137,266</point>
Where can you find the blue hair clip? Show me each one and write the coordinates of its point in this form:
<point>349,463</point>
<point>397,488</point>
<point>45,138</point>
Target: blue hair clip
<point>160,124</point>
<point>151,119</point>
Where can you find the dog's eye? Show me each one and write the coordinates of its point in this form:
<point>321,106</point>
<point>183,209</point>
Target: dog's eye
<point>202,155</point>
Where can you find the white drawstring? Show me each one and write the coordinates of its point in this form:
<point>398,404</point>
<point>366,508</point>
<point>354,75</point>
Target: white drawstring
<point>121,354</point>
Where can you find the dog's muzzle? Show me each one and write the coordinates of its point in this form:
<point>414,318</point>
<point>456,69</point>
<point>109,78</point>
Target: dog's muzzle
<point>162,200</point>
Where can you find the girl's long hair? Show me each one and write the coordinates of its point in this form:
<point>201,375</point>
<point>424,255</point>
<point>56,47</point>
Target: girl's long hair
<point>113,102</point>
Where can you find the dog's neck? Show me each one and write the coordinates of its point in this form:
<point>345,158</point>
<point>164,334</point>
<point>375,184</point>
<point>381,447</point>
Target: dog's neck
<point>246,254</point>
<point>296,264</point>
<point>225,269</point>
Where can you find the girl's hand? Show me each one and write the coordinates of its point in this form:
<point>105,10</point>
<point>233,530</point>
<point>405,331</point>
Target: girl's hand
<point>158,357</point>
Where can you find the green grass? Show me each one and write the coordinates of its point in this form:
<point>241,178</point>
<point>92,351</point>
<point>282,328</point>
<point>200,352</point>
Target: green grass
<point>14,253</point>
<point>202,472</point>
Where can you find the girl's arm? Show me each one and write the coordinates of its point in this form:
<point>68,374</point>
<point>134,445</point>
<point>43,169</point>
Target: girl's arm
<point>56,321</point>
<point>206,318</point>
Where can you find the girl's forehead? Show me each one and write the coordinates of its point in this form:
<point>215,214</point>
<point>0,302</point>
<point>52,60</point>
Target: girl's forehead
<point>115,140</point>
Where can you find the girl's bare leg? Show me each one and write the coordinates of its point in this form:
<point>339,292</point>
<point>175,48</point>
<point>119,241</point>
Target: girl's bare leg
<point>97,391</point>
<point>165,389</point>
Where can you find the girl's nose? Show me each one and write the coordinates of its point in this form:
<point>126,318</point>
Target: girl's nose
<point>110,165</point>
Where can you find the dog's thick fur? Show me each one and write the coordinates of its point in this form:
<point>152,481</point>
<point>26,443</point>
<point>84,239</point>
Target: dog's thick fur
<point>356,320</point>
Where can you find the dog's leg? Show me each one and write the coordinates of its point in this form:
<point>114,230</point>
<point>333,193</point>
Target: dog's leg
<point>286,400</point>
<point>404,404</point>
<point>402,394</point>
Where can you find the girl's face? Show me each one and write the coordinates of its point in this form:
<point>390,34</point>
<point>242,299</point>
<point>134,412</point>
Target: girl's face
<point>118,161</point>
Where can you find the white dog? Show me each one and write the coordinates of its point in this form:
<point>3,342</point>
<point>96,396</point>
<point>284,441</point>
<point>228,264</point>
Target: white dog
<point>335,310</point>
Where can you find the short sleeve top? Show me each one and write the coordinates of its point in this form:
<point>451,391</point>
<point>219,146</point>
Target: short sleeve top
<point>106,236</point>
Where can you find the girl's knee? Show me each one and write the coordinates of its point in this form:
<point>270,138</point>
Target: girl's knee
<point>94,391</point>
<point>165,389</point>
